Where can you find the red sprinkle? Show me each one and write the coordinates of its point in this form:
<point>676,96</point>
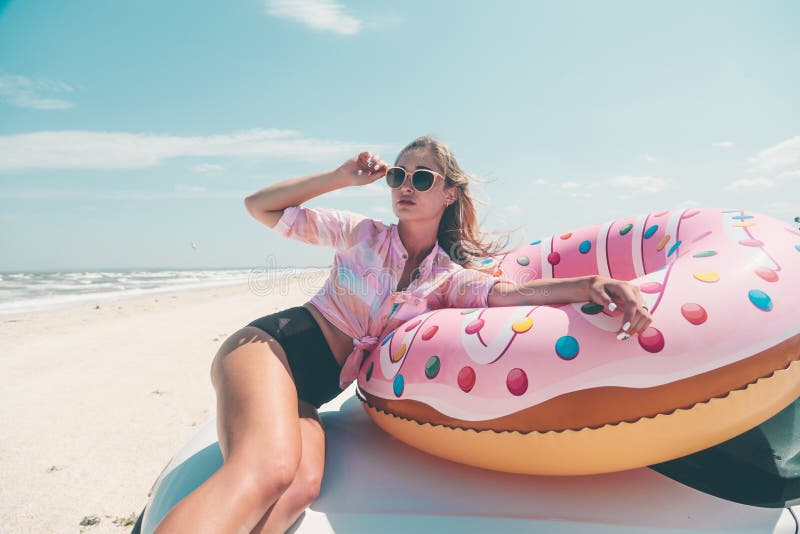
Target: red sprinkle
<point>466,378</point>
<point>429,332</point>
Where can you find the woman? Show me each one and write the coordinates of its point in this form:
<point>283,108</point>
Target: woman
<point>272,375</point>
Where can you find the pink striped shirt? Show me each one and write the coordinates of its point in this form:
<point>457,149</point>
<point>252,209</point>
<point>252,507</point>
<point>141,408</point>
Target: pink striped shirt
<point>359,297</point>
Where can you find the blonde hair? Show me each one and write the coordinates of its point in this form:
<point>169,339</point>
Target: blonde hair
<point>459,232</point>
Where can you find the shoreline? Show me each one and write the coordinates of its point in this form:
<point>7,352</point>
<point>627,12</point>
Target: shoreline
<point>98,399</point>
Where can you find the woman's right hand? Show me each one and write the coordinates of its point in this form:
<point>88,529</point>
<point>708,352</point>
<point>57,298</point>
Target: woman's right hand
<point>363,169</point>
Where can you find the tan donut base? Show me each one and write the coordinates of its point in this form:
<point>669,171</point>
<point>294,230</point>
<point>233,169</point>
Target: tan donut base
<point>613,447</point>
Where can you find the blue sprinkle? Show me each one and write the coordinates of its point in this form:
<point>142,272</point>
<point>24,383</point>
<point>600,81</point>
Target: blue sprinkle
<point>487,260</point>
<point>567,347</point>
<point>742,217</point>
<point>797,247</point>
<point>760,299</point>
<point>536,242</point>
<point>673,248</point>
<point>650,231</point>
<point>398,385</point>
<point>387,338</point>
<point>585,246</point>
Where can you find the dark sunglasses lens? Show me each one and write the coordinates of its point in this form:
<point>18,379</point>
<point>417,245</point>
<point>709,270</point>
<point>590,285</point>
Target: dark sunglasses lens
<point>423,180</point>
<point>395,177</point>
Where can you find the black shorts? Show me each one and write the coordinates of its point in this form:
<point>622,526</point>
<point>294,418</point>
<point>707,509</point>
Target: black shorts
<point>315,369</point>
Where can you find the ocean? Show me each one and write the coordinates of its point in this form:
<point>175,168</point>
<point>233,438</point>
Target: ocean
<point>29,291</point>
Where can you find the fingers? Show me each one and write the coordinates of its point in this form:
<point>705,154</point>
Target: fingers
<point>372,163</point>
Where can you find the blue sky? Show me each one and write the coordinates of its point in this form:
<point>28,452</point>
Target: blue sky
<point>129,130</point>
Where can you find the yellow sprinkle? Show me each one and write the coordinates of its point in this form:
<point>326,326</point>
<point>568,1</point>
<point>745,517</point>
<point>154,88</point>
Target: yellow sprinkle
<point>523,324</point>
<point>744,223</point>
<point>663,242</point>
<point>399,353</point>
<point>707,276</point>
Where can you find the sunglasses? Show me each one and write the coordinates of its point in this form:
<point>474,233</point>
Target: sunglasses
<point>421,180</point>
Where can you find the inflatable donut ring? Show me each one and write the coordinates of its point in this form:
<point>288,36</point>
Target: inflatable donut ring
<point>549,389</point>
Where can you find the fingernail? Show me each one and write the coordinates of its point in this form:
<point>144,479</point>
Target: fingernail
<point>612,306</point>
<point>622,336</point>
<point>626,325</point>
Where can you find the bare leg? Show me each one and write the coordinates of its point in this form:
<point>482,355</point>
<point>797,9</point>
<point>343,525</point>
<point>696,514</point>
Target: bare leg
<point>259,435</point>
<point>305,486</point>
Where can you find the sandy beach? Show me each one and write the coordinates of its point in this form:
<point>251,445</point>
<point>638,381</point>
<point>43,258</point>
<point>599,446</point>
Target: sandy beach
<point>96,400</point>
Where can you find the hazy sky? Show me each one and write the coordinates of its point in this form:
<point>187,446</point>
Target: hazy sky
<point>130,130</point>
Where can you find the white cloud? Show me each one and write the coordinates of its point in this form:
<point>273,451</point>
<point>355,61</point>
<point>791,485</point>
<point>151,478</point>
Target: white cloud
<point>638,185</point>
<point>647,157</point>
<point>789,175</point>
<point>80,149</point>
<point>540,181</point>
<point>723,144</point>
<point>82,193</point>
<point>750,184</point>
<point>569,185</point>
<point>685,204</point>
<point>25,92</point>
<point>324,15</point>
<point>784,154</point>
<point>208,167</point>
<point>781,208</point>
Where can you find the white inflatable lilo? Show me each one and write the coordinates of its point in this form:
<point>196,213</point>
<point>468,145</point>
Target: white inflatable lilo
<point>706,395</point>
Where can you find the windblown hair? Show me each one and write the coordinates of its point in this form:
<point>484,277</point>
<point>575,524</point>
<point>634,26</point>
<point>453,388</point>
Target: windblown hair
<point>459,232</point>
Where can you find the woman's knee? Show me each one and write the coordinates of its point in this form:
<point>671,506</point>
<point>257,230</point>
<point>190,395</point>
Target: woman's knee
<point>268,477</point>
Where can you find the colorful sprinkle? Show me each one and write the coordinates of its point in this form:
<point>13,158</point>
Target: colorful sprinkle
<point>523,260</point>
<point>650,287</point>
<point>650,231</point>
<point>663,242</point>
<point>705,254</point>
<point>487,260</point>
<point>707,276</point>
<point>466,312</point>
<point>398,354</point>
<point>767,274</point>
<point>398,385</point>
<point>740,217</point>
<point>553,258</point>
<point>660,213</point>
<point>498,272</point>
<point>797,247</point>
<point>690,213</point>
<point>466,379</point>
<point>761,300</point>
<point>674,247</point>
<point>523,324</point>
<point>387,338</point>
<point>694,313</point>
<point>474,326</point>
<point>369,370</point>
<point>413,324</point>
<point>566,236</point>
<point>627,228</point>
<point>651,340</point>
<point>743,224</point>
<point>429,332</point>
<point>432,366</point>
<point>567,347</point>
<point>517,381</point>
<point>751,242</point>
<point>591,308</point>
<point>536,242</point>
<point>585,246</point>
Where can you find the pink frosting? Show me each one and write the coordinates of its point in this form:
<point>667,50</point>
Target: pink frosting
<point>721,285</point>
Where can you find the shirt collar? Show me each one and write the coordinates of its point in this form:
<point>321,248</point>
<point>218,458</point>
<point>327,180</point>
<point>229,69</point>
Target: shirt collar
<point>427,263</point>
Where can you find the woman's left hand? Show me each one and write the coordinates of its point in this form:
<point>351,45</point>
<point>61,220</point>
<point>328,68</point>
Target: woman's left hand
<point>618,294</point>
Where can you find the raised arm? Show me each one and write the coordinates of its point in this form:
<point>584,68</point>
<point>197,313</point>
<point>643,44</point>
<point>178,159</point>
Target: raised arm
<point>267,204</point>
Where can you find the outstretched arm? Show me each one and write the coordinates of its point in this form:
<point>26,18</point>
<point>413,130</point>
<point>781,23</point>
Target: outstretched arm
<point>607,292</point>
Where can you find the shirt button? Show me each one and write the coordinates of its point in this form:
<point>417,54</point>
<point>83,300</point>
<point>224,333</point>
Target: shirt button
<point>405,256</point>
